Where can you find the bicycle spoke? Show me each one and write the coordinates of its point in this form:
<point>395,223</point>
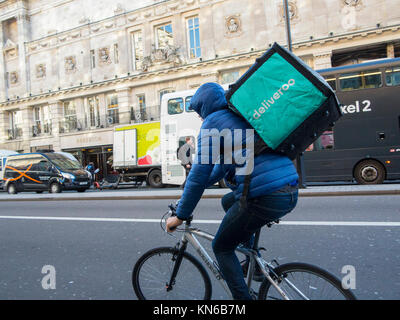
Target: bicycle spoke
<point>311,284</point>
<point>154,276</point>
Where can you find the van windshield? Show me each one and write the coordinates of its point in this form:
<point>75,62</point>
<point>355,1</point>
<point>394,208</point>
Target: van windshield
<point>63,162</point>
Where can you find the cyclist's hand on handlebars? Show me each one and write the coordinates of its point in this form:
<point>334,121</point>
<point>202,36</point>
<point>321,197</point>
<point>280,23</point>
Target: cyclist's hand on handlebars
<point>173,223</point>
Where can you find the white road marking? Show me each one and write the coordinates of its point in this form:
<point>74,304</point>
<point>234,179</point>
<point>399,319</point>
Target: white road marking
<point>288,223</point>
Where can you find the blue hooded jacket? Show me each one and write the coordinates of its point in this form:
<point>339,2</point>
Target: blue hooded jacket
<point>270,172</point>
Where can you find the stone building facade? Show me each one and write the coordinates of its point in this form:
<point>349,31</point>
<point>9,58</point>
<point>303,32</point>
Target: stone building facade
<point>73,69</point>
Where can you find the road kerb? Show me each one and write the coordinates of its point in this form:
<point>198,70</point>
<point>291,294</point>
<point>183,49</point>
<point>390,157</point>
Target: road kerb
<point>206,196</point>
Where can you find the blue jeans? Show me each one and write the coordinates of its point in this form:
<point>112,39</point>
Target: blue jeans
<point>239,226</point>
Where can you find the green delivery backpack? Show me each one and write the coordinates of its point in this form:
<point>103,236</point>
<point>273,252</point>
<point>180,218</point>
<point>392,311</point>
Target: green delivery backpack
<point>287,103</point>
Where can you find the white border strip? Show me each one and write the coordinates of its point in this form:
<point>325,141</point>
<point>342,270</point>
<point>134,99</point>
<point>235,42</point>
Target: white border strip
<point>288,223</point>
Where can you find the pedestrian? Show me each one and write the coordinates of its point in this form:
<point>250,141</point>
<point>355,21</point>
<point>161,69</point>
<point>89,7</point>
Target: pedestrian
<point>185,155</point>
<point>91,169</point>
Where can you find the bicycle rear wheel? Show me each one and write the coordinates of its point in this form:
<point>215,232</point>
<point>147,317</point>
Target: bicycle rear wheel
<point>152,273</point>
<point>313,282</point>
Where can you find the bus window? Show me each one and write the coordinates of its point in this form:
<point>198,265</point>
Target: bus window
<point>360,80</point>
<point>393,76</point>
<point>187,104</point>
<point>175,106</point>
<point>331,81</point>
<point>324,142</point>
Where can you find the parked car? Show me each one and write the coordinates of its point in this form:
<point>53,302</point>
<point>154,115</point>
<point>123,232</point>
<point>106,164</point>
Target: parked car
<point>47,171</point>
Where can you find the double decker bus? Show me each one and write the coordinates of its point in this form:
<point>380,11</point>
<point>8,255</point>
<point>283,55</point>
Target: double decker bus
<point>364,145</point>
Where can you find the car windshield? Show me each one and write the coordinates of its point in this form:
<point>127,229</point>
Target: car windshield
<point>63,162</point>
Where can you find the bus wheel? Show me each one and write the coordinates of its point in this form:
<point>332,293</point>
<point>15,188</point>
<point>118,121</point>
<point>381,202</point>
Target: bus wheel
<point>55,188</point>
<point>154,179</point>
<point>12,189</point>
<point>369,172</point>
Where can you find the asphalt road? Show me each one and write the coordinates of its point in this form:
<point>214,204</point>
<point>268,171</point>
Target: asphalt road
<point>93,245</point>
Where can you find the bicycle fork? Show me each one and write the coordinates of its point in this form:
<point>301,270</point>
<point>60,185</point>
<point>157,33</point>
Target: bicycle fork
<point>177,257</point>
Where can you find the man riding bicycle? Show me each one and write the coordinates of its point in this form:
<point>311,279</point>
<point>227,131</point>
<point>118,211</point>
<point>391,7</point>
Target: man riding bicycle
<point>272,191</point>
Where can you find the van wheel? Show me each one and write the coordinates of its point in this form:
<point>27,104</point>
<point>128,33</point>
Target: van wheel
<point>81,190</point>
<point>55,188</point>
<point>12,189</point>
<point>369,172</point>
<point>154,179</point>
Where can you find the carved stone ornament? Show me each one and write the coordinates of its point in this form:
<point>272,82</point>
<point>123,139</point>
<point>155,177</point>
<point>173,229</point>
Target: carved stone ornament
<point>233,25</point>
<point>70,64</point>
<point>352,3</point>
<point>14,78</point>
<point>119,9</point>
<point>41,71</point>
<point>104,55</point>
<point>167,54</point>
<point>293,11</point>
<point>10,50</point>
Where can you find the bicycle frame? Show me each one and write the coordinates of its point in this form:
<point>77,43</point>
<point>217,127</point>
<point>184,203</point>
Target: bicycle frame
<point>189,236</point>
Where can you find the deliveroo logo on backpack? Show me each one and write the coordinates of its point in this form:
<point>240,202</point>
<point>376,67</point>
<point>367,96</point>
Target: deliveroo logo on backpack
<point>267,103</point>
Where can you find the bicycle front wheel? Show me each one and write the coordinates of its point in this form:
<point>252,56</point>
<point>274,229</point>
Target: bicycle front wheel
<point>152,274</point>
<point>300,281</point>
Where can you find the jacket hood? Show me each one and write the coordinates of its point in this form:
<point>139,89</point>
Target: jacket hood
<point>209,98</point>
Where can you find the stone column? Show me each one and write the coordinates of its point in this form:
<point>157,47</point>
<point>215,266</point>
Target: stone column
<point>23,36</point>
<point>3,83</point>
<point>3,126</point>
<point>56,115</point>
<point>27,122</point>
<point>124,105</point>
<point>80,113</point>
<point>390,50</point>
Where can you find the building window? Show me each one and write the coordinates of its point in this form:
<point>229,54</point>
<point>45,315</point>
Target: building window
<point>194,37</point>
<point>70,122</point>
<point>164,36</point>
<point>15,121</point>
<point>140,114</point>
<point>92,112</point>
<point>137,50</point>
<point>112,109</point>
<point>165,91</point>
<point>41,121</point>
<point>229,76</point>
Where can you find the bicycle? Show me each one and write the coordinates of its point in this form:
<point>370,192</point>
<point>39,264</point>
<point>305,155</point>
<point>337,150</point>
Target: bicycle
<point>173,273</point>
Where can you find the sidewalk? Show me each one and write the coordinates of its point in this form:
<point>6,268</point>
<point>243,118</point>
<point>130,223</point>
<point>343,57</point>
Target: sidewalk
<point>148,194</point>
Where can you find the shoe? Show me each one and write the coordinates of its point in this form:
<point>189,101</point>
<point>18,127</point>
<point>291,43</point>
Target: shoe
<point>258,276</point>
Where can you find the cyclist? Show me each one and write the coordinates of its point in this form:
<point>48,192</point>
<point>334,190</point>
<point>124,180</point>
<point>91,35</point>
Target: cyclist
<point>272,193</point>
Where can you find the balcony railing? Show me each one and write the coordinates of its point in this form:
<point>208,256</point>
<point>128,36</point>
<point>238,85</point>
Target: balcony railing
<point>41,129</point>
<point>112,118</point>
<point>73,124</point>
<point>145,115</point>
<point>14,133</point>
